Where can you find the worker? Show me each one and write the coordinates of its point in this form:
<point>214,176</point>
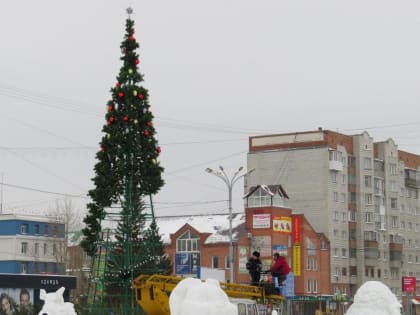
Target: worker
<point>254,267</point>
<point>279,270</point>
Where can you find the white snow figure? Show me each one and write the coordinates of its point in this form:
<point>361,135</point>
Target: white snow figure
<point>374,298</point>
<point>192,297</point>
<point>54,303</point>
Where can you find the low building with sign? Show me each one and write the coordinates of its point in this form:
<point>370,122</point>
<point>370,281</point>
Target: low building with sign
<point>267,226</point>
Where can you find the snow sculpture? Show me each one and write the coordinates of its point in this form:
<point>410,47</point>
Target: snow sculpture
<point>374,298</point>
<point>192,297</point>
<point>54,303</point>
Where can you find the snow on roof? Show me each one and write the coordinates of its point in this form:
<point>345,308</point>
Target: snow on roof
<point>216,225</point>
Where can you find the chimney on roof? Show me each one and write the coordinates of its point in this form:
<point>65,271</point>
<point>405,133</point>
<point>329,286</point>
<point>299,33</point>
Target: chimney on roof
<point>319,128</point>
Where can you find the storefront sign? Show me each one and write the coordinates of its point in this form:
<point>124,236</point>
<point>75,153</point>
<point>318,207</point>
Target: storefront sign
<point>409,284</point>
<point>296,230</point>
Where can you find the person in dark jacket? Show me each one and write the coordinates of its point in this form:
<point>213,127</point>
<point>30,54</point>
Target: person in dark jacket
<point>280,268</point>
<point>254,266</point>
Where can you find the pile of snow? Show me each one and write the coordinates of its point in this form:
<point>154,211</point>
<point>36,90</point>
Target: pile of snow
<point>54,303</point>
<point>374,298</point>
<point>192,297</point>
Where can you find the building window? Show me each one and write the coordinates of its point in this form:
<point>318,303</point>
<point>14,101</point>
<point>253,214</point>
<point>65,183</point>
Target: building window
<point>227,262</point>
<point>24,229</point>
<point>343,197</point>
<point>394,221</point>
<point>367,162</point>
<point>393,169</point>
<point>394,203</point>
<point>215,262</point>
<point>23,267</point>
<point>308,263</point>
<point>46,230</point>
<point>54,252</point>
<point>315,263</point>
<point>353,271</point>
<point>369,217</point>
<point>55,230</point>
<point>45,249</point>
<point>343,252</point>
<point>188,242</point>
<point>334,177</point>
<point>344,271</point>
<point>343,179</point>
<point>24,248</point>
<point>36,249</point>
<point>308,286</point>
<point>315,286</point>
<point>368,199</point>
<point>36,229</point>
<point>335,196</point>
<point>368,181</point>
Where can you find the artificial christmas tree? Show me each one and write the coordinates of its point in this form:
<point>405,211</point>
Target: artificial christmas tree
<point>127,171</point>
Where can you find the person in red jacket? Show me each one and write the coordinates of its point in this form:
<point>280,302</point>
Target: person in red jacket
<point>280,268</point>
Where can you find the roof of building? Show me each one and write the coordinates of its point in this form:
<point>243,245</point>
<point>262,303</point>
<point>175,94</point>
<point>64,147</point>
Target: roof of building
<point>216,225</point>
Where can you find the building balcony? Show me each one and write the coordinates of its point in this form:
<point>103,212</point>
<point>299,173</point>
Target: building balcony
<point>336,166</point>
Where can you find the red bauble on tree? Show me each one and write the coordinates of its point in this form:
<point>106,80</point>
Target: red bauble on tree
<point>132,38</point>
<point>118,84</point>
<point>110,107</point>
<point>137,61</point>
<point>111,120</point>
<point>146,133</point>
<point>125,118</point>
<point>120,94</point>
<point>158,150</point>
<point>149,123</point>
<point>141,96</point>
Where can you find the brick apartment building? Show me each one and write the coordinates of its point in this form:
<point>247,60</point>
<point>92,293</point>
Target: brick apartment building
<point>363,195</point>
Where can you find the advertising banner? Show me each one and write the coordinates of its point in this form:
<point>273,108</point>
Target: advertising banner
<point>296,263</point>
<point>296,230</point>
<point>282,224</point>
<point>261,221</point>
<point>409,284</point>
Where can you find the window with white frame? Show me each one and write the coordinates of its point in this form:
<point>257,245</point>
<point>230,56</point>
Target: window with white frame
<point>308,286</point>
<point>368,199</point>
<point>393,169</point>
<point>367,163</point>
<point>315,286</point>
<point>188,242</point>
<point>335,196</point>
<point>368,217</point>
<point>45,249</point>
<point>393,186</point>
<point>36,249</point>
<point>394,221</point>
<point>343,179</point>
<point>333,176</point>
<point>36,229</point>
<point>315,263</point>
<point>308,263</point>
<point>343,252</point>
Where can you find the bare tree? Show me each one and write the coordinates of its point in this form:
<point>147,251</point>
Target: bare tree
<point>66,214</point>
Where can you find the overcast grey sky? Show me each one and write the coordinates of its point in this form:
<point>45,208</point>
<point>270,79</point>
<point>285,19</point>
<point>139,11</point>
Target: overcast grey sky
<point>218,72</point>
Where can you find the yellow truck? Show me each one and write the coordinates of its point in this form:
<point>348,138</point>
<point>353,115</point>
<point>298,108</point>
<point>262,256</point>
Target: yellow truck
<point>153,291</point>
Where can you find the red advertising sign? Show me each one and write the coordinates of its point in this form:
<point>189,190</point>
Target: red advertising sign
<point>296,229</point>
<point>409,284</point>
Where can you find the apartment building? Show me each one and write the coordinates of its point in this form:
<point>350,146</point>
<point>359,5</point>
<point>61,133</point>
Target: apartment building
<point>363,195</point>
<point>31,245</point>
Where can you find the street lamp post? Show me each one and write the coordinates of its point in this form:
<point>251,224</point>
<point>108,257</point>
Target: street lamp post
<point>230,182</point>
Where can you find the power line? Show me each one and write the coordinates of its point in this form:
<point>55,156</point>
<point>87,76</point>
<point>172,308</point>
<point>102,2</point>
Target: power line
<point>45,191</point>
